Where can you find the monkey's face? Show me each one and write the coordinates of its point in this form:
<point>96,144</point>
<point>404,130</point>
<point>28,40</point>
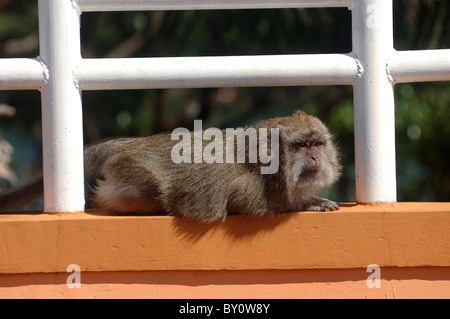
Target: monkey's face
<point>310,156</point>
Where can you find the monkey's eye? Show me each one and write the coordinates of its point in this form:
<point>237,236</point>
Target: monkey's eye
<point>317,144</point>
<point>301,144</point>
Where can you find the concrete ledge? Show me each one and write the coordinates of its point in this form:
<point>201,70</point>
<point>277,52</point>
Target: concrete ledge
<point>399,235</point>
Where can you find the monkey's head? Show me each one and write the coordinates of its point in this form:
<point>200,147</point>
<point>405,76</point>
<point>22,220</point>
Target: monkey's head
<point>309,155</point>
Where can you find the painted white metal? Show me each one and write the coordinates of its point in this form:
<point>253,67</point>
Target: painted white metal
<point>23,74</point>
<point>375,170</point>
<point>419,66</point>
<point>62,132</point>
<point>123,5</point>
<point>155,73</point>
<point>373,67</point>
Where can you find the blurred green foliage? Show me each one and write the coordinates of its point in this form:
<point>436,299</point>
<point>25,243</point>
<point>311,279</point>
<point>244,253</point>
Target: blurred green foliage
<point>422,109</point>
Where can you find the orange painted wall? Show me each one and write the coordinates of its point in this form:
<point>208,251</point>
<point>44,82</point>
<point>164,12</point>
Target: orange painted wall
<point>422,282</point>
<point>295,255</point>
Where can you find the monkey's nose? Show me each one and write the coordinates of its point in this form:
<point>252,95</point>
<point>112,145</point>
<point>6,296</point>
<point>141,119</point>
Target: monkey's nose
<point>315,161</point>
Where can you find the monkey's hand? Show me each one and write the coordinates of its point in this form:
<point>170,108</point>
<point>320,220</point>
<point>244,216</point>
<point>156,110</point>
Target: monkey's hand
<point>319,204</point>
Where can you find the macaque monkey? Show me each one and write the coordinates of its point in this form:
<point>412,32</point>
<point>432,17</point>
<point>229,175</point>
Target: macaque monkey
<point>144,174</point>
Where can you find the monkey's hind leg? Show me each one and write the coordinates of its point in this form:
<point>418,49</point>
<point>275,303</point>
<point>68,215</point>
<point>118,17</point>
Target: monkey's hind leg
<point>123,199</point>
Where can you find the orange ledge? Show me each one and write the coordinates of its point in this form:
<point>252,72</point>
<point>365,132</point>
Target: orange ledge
<point>398,235</point>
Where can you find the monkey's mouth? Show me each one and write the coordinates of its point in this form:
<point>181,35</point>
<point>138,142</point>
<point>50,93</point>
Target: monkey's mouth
<point>309,173</point>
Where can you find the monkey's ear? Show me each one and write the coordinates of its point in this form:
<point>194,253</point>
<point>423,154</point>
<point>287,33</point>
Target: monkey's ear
<point>300,113</point>
<point>282,133</point>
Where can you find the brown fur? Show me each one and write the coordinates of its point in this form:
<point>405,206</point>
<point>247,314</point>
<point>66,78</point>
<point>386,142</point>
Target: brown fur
<point>138,175</point>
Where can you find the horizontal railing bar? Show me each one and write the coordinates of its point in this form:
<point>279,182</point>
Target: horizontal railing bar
<point>420,66</point>
<point>121,5</point>
<point>22,74</point>
<point>231,71</point>
<point>287,70</point>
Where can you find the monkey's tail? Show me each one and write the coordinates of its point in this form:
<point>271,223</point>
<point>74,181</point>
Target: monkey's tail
<point>22,196</point>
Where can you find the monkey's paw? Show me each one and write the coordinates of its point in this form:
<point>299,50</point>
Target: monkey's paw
<point>318,204</point>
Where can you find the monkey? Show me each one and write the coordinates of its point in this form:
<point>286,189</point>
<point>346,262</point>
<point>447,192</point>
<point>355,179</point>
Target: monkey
<point>135,175</point>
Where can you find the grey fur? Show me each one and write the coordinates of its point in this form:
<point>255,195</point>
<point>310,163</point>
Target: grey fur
<point>137,175</point>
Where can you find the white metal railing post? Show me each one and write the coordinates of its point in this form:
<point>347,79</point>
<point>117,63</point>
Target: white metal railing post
<point>375,169</point>
<point>62,133</point>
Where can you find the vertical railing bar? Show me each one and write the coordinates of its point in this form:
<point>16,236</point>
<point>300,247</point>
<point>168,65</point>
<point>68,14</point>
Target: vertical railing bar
<point>62,133</point>
<point>375,170</point>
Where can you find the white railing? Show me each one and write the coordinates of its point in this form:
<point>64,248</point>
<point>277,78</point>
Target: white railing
<point>373,67</point>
